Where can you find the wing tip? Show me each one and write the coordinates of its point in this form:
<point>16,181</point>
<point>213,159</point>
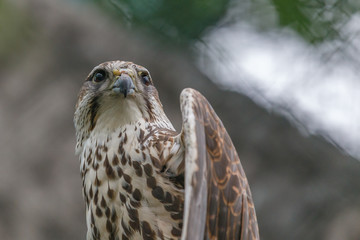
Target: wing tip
<point>188,91</point>
<point>185,92</point>
<point>188,95</point>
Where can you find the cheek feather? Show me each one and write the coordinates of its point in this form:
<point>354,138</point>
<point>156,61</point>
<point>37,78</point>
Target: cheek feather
<point>83,92</point>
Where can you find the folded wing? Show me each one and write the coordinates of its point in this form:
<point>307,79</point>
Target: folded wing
<point>218,202</point>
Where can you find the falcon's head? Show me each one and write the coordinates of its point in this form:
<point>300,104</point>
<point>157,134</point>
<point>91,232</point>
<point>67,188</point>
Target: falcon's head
<point>115,94</point>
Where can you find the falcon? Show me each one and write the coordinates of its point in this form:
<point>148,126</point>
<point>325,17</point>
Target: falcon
<point>143,180</point>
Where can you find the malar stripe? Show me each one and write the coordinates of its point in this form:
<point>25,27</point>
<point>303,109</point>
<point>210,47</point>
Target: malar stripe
<point>94,107</point>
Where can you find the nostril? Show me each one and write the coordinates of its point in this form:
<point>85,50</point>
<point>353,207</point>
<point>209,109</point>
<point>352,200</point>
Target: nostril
<point>122,81</point>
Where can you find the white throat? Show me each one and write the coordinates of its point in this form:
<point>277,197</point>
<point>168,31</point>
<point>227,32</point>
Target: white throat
<point>116,115</point>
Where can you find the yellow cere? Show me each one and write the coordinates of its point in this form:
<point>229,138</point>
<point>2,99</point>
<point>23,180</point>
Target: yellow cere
<point>116,72</point>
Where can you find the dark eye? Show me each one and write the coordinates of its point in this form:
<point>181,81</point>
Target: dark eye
<point>99,75</point>
<point>145,79</point>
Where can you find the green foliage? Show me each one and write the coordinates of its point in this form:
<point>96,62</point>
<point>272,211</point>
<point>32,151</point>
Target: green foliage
<point>182,21</point>
<point>177,20</point>
<point>315,20</point>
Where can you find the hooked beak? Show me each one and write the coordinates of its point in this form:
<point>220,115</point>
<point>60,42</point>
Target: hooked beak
<point>124,85</point>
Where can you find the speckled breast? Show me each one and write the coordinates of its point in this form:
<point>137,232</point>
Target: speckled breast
<point>126,196</point>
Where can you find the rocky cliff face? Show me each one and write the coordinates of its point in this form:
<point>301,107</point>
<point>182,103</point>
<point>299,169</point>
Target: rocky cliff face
<point>302,186</point>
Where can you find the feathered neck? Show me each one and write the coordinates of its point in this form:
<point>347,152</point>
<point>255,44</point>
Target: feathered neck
<point>95,118</point>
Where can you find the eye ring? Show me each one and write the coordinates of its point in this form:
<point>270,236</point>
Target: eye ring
<point>99,75</point>
<point>145,78</point>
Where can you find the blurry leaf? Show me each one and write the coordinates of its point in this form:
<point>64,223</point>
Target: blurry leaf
<point>316,21</point>
<point>184,21</point>
<point>179,21</point>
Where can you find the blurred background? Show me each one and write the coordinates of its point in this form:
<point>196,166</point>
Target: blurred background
<point>282,75</point>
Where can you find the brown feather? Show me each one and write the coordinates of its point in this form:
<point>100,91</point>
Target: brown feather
<point>217,177</point>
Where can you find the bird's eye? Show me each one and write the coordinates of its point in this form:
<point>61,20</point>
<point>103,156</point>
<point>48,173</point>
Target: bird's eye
<point>99,75</point>
<point>145,78</point>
